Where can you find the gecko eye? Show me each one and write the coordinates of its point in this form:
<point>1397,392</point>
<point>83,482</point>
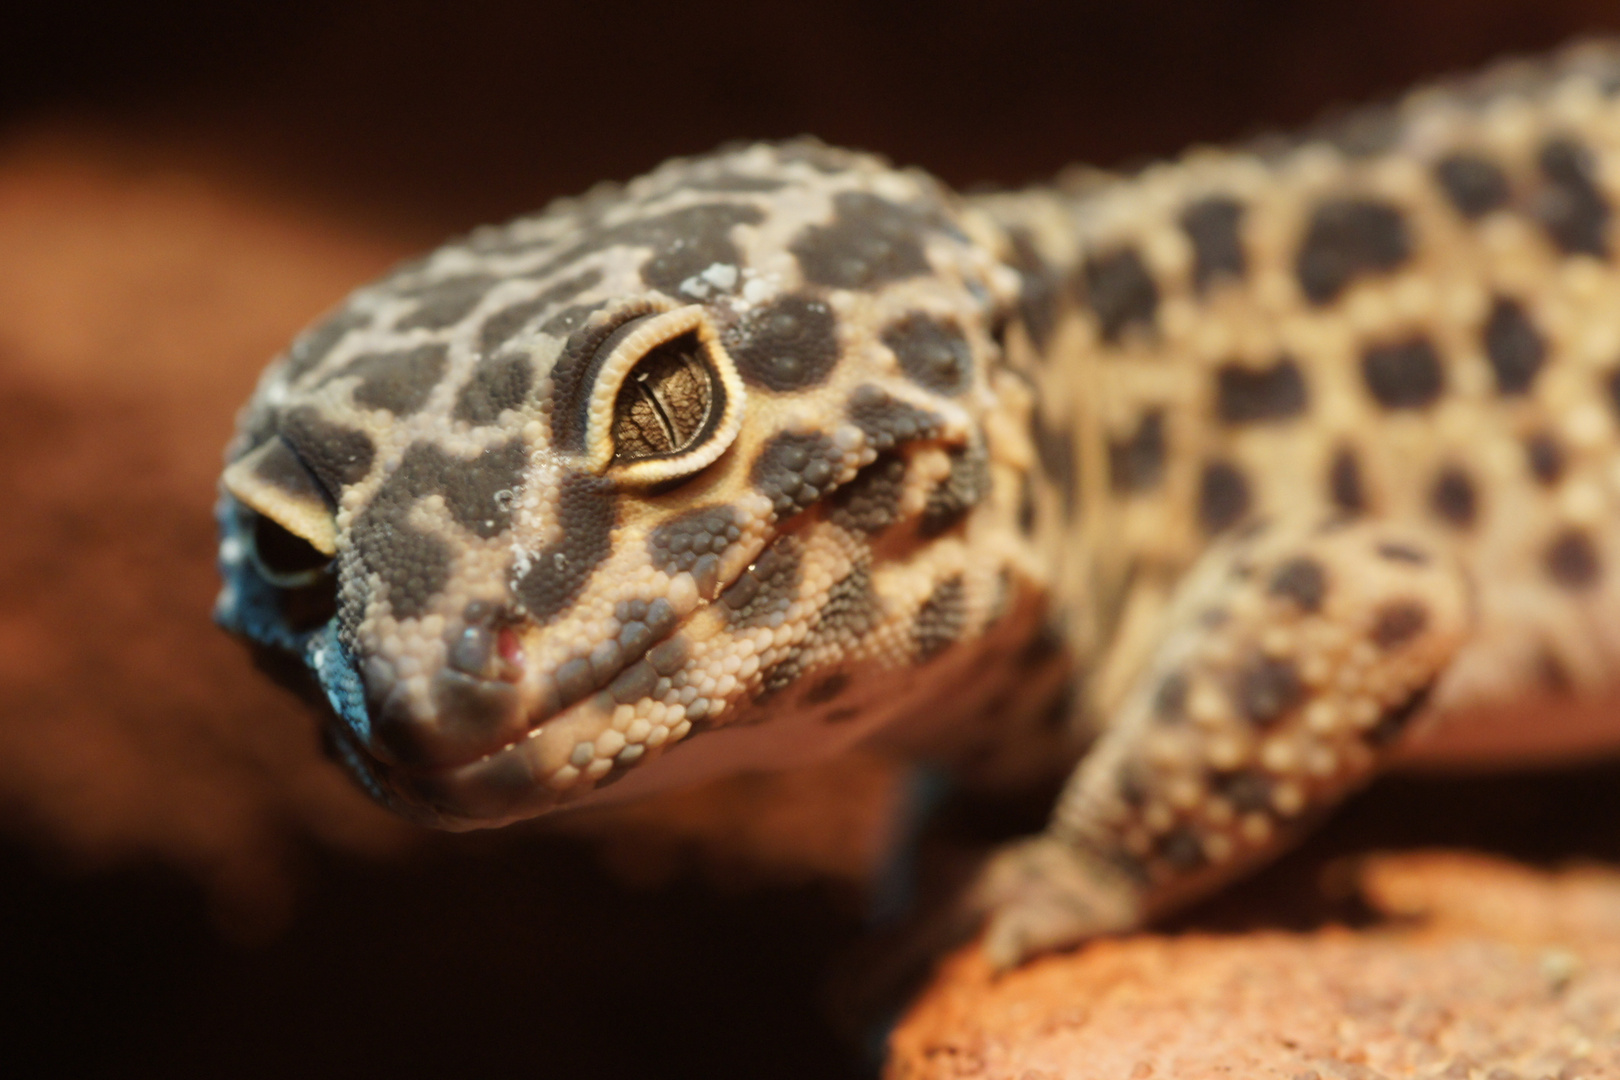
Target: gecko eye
<point>667,400</point>
<point>666,403</point>
<point>283,559</point>
<point>292,531</point>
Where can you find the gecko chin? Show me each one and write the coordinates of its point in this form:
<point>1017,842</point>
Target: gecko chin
<point>501,743</point>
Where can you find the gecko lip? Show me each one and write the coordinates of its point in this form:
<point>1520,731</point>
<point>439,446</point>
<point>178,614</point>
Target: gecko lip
<point>474,761</point>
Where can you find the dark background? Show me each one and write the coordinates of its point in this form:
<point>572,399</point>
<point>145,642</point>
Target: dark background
<point>461,112</point>
<point>241,931</point>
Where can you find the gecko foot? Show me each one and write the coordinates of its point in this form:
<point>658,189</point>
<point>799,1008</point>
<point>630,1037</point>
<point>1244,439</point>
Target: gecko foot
<point>1042,894</point>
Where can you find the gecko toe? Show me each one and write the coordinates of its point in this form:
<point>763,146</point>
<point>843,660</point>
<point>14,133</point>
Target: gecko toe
<point>1043,894</point>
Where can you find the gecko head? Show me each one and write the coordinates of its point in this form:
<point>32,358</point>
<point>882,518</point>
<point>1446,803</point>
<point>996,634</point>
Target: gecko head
<point>638,489</point>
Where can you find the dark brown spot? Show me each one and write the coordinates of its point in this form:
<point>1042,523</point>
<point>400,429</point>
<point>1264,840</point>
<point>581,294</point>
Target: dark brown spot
<point>967,484</point>
<point>1572,560</point>
<point>1545,456</point>
<point>789,344</point>
<point>1223,496</point>
<point>794,470</point>
<point>1399,622</point>
<point>569,319</point>
<point>1120,291</point>
<point>1136,464</point>
<point>1182,850</point>
<point>762,594</point>
<point>1513,346</point>
<point>504,324</point>
<point>399,382</point>
<point>678,544</point>
<point>1403,375</point>
<point>1571,207</point>
<point>681,243</point>
<point>1245,395</point>
<point>1474,185</point>
<point>870,502</point>
<point>1248,790</point>
<point>1212,226</point>
<point>413,566</point>
<point>550,579</point>
<point>1453,497</point>
<point>498,383</point>
<point>1396,552</point>
<point>280,466</point>
<point>933,354</point>
<point>1039,293</point>
<point>314,346</point>
<point>668,657</point>
<point>869,242</point>
<point>849,613</point>
<point>446,302</point>
<point>1046,645</point>
<point>1301,580</point>
<point>941,618</point>
<point>1267,689</point>
<point>1132,787</point>
<point>1552,674</point>
<point>479,493</point>
<point>888,422</point>
<point>337,455</point>
<point>687,242</point>
<point>636,681</point>
<point>1348,238</point>
<point>1170,698</point>
<point>1612,385</point>
<point>1344,482</point>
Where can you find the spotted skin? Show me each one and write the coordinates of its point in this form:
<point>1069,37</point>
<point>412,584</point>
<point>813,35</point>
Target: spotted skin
<point>1259,471</point>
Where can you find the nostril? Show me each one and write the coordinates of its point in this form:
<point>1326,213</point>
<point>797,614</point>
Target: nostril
<point>487,646</point>
<point>510,648</point>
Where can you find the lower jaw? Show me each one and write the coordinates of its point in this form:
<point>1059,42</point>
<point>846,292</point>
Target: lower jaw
<point>496,789</point>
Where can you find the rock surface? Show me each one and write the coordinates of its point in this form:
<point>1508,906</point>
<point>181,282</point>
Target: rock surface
<point>1482,969</point>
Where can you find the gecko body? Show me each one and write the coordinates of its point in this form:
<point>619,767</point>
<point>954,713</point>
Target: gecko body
<point>1236,480</point>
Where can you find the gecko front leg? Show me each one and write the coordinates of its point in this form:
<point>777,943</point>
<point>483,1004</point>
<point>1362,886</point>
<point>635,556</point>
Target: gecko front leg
<point>1289,664</point>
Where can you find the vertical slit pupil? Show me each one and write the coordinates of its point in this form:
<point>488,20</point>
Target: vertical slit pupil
<point>665,404</point>
<point>650,393</point>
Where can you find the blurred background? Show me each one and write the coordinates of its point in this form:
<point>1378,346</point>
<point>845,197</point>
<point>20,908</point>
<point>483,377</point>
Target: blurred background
<point>186,886</point>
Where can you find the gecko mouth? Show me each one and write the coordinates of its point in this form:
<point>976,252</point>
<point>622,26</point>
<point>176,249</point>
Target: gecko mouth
<point>483,759</point>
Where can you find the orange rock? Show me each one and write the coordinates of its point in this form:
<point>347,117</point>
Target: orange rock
<point>1487,971</point>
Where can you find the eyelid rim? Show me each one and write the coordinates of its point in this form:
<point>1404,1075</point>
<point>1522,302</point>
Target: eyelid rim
<point>649,332</point>
<point>304,512</point>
